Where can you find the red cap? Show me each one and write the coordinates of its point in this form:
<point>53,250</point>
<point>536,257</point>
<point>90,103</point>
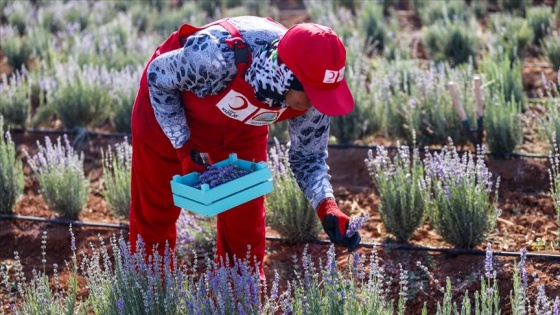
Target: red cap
<point>317,57</point>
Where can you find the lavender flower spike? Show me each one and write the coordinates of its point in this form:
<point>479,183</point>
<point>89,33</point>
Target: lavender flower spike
<point>356,222</point>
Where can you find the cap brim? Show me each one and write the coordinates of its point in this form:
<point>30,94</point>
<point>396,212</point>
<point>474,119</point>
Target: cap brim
<point>335,102</point>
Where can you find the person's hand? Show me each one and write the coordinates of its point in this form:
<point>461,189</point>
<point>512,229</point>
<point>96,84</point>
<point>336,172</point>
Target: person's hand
<point>191,160</point>
<point>335,224</point>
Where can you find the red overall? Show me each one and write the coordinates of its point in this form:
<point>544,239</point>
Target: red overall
<point>232,121</point>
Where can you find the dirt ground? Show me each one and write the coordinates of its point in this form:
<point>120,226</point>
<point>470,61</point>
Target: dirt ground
<point>527,216</point>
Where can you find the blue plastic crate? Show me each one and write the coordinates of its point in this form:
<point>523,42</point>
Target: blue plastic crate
<point>211,201</point>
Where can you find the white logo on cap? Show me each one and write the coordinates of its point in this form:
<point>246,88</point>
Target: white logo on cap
<point>332,76</point>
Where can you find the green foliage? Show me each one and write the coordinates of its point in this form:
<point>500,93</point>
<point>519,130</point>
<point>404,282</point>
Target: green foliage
<point>83,97</point>
<point>174,18</point>
<point>513,35</point>
<point>549,120</point>
<point>540,21</point>
<point>463,211</point>
<point>551,50</point>
<point>288,210</point>
<point>364,119</point>
<point>514,6</point>
<point>16,49</point>
<point>59,169</point>
<point>503,125</point>
<point>453,42</point>
<point>554,172</point>
<point>15,103</point>
<point>117,164</point>
<point>11,172</point>
<point>372,24</point>
<point>505,80</point>
<point>433,12</point>
<point>401,188</point>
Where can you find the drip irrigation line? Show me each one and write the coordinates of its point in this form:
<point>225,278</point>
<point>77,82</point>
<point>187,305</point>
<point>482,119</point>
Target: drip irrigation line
<point>334,146</point>
<point>394,148</point>
<point>448,251</point>
<point>63,221</point>
<point>403,247</point>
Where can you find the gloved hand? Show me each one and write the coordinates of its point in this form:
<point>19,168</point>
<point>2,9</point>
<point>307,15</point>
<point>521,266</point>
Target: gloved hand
<point>335,224</point>
<point>191,160</point>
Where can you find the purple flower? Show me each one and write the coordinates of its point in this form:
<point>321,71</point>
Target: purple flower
<point>356,222</point>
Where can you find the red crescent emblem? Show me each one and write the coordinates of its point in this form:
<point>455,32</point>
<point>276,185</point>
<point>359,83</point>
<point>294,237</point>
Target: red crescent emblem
<point>243,106</point>
<point>333,74</point>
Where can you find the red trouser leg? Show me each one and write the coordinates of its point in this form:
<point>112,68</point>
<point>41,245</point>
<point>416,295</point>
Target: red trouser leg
<point>152,212</point>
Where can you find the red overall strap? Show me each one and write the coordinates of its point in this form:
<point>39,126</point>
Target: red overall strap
<point>241,51</point>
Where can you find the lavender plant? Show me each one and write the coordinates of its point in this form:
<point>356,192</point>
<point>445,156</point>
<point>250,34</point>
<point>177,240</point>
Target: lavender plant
<point>288,210</point>
<point>15,103</point>
<point>504,130</point>
<point>451,42</point>
<point>551,50</point>
<point>549,120</point>
<point>554,176</point>
<point>505,80</point>
<point>116,165</point>
<point>513,35</point>
<point>16,49</point>
<point>82,98</point>
<point>540,20</point>
<point>59,169</point>
<point>401,188</point>
<point>122,282</point>
<point>195,233</point>
<point>464,197</point>
<point>11,172</point>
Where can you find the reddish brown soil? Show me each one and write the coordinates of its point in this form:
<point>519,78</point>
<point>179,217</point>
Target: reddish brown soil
<point>528,215</point>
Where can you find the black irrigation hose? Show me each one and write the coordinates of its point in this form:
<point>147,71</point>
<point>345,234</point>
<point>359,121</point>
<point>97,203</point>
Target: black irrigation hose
<point>63,221</point>
<point>334,146</point>
<point>448,251</point>
<point>403,247</point>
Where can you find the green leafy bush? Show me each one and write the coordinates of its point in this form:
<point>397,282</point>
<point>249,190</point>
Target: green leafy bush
<point>464,207</point>
<point>551,49</point>
<point>513,35</point>
<point>554,172</point>
<point>433,12</point>
<point>11,172</point>
<point>401,188</point>
<point>15,103</point>
<point>540,21</point>
<point>549,120</point>
<point>503,125</point>
<point>453,42</point>
<point>16,49</point>
<point>83,97</point>
<point>288,210</point>
<point>117,164</point>
<point>59,169</point>
<point>505,80</point>
<point>514,6</point>
<point>372,24</point>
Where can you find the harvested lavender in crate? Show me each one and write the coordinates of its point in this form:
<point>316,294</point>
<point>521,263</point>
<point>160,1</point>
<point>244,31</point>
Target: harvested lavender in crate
<point>218,175</point>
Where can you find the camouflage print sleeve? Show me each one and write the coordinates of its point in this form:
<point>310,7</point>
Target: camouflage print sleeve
<point>309,135</point>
